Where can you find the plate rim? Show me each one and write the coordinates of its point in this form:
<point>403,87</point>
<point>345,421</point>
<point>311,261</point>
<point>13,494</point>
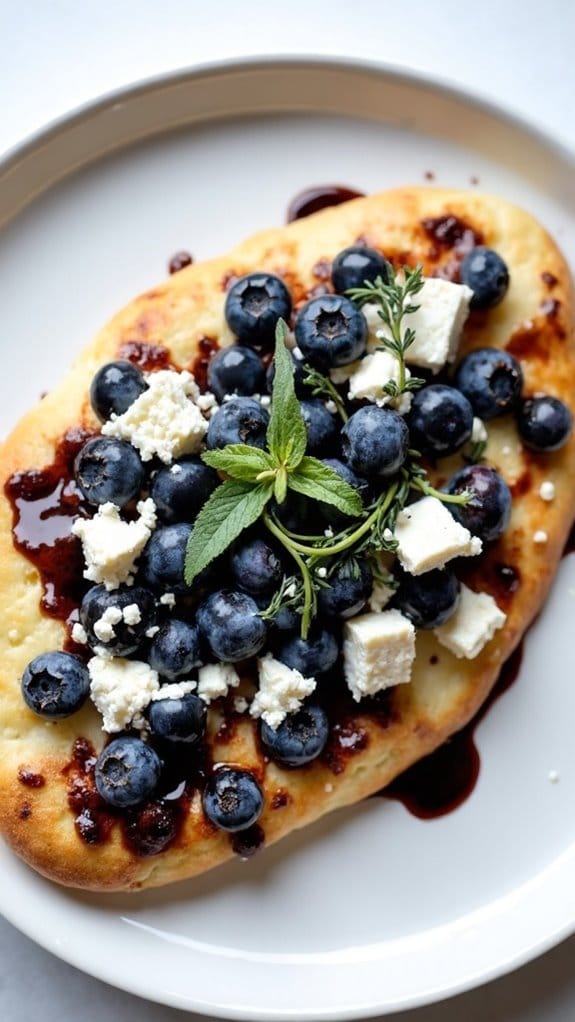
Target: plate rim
<point>150,84</point>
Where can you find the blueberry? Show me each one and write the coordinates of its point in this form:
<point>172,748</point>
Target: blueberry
<point>354,265</point>
<point>123,637</point>
<point>231,626</point>
<point>255,566</point>
<point>235,370</point>
<point>287,620</point>
<point>312,656</point>
<point>127,772</point>
<point>239,421</point>
<point>162,562</point>
<point>115,387</point>
<point>491,380</point>
<point>179,491</point>
<point>299,739</point>
<point>440,420</point>
<point>349,588</point>
<point>331,331</point>
<point>253,306</point>
<point>484,271</point>
<point>487,513</point>
<point>320,424</point>
<point>334,518</point>
<point>55,685</point>
<point>233,799</point>
<point>544,423</point>
<point>299,373</point>
<point>428,600</point>
<point>375,441</point>
<point>175,650</point>
<point>107,469</point>
<point>181,720</point>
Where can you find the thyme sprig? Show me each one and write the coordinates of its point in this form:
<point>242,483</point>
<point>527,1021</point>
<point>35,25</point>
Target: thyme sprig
<point>394,299</point>
<point>322,386</point>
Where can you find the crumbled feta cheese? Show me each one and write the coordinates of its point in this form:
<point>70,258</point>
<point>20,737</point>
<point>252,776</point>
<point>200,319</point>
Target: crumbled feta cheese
<point>540,536</point>
<point>79,634</point>
<point>164,421</point>
<point>387,535</point>
<point>153,630</point>
<point>297,353</point>
<point>121,690</point>
<point>215,681</point>
<point>331,407</point>
<point>132,614</point>
<point>322,572</point>
<point>175,469</point>
<point>478,431</point>
<point>174,690</point>
<point>373,372</point>
<point>240,704</point>
<point>341,374</point>
<point>380,597</point>
<point>473,624</point>
<point>206,402</point>
<point>428,536</point>
<point>547,490</point>
<point>378,652</point>
<point>104,626</point>
<point>265,400</point>
<point>291,590</point>
<point>438,322</point>
<point>281,691</point>
<point>328,788</point>
<point>111,545</point>
<point>328,533</point>
<point>168,599</point>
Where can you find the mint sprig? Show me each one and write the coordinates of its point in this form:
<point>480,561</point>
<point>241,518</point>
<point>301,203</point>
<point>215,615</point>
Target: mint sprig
<point>256,476</point>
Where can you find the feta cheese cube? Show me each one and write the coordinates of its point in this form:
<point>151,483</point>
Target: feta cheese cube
<point>438,322</point>
<point>378,652</point>
<point>473,624</point>
<point>281,691</point>
<point>111,546</point>
<point>478,431</point>
<point>121,690</point>
<point>215,681</point>
<point>428,536</point>
<point>368,380</point>
<point>164,421</point>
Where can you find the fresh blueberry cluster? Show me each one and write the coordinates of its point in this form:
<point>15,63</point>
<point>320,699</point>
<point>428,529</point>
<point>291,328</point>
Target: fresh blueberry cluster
<point>227,617</point>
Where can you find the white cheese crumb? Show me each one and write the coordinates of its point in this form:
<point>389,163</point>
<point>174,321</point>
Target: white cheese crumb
<point>553,776</point>
<point>265,400</point>
<point>328,788</point>
<point>478,431</point>
<point>215,681</point>
<point>540,536</point>
<point>428,536</point>
<point>240,704</point>
<point>297,353</point>
<point>291,590</point>
<point>153,630</point>
<point>473,624</point>
<point>322,572</point>
<point>111,545</point>
<point>380,597</point>
<point>206,402</point>
<point>371,375</point>
<point>175,469</point>
<point>121,690</point>
<point>328,533</point>
<point>168,599</point>
<point>79,634</point>
<point>281,691</point>
<point>175,690</point>
<point>331,407</point>
<point>438,322</point>
<point>378,652</point>
<point>104,626</point>
<point>547,490</point>
<point>341,374</point>
<point>387,535</point>
<point>162,422</point>
<point>132,614</point>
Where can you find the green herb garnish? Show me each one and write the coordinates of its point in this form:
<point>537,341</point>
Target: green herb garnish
<point>394,302</point>
<point>322,386</point>
<point>257,476</point>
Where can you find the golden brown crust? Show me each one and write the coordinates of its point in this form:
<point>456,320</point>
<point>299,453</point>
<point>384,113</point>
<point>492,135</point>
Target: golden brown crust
<point>535,321</point>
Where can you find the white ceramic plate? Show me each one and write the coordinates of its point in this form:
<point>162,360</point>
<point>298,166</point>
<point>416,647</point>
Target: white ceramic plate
<point>371,910</point>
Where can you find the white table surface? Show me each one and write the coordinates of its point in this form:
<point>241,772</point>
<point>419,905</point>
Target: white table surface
<point>57,54</point>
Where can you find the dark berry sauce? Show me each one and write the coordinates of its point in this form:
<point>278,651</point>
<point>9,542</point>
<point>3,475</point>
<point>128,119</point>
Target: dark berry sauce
<point>148,357</point>
<point>30,779</point>
<point>311,200</point>
<point>179,261</point>
<point>45,503</point>
<point>207,347</point>
<point>451,239</point>
<point>442,781</point>
<point>247,842</point>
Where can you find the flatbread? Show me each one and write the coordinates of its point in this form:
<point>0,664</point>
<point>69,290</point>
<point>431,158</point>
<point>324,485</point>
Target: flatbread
<point>366,751</point>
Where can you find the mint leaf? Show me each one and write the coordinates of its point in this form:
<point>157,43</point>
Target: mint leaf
<point>233,507</point>
<point>316,480</point>
<point>240,461</point>
<point>286,433</point>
